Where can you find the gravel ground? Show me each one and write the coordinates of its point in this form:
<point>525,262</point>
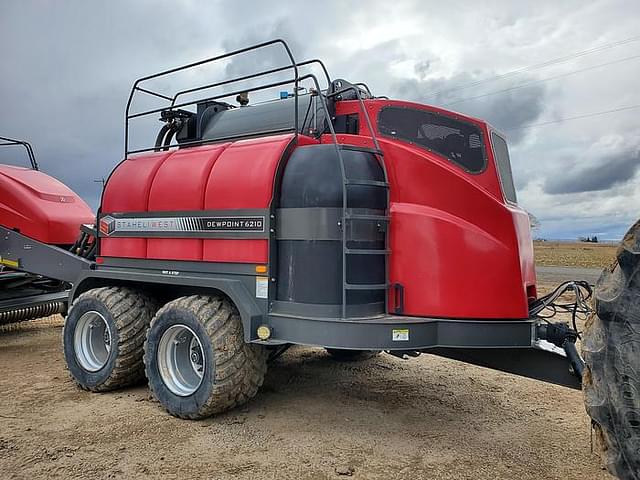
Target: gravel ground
<point>386,418</point>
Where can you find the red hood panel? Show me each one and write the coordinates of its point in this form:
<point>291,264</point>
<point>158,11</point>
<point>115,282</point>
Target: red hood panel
<point>41,207</point>
<point>41,184</point>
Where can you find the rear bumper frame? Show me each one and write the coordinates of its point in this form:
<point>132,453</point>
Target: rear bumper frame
<point>392,332</point>
<point>511,346</point>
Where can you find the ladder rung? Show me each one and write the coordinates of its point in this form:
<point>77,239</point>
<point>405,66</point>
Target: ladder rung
<point>358,216</point>
<point>367,183</point>
<point>364,286</point>
<point>375,151</point>
<point>367,251</point>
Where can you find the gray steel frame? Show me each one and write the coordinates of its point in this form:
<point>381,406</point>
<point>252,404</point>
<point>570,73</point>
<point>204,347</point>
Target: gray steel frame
<point>312,324</point>
<point>415,333</point>
<point>36,257</point>
<point>25,254</point>
<point>539,362</point>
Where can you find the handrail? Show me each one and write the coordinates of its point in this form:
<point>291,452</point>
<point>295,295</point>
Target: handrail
<point>26,145</point>
<point>215,97</point>
<point>254,75</point>
<point>293,66</point>
<point>258,133</point>
<point>365,86</point>
<point>363,108</point>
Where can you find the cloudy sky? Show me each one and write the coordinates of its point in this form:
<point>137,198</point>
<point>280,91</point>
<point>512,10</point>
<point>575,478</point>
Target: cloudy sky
<point>529,68</point>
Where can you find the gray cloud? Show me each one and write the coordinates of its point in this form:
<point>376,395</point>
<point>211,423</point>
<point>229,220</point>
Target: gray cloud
<point>611,171</point>
<point>268,57</point>
<point>422,68</point>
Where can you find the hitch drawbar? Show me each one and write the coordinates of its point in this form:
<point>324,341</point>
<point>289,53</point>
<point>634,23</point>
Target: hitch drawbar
<point>563,336</point>
<point>28,255</point>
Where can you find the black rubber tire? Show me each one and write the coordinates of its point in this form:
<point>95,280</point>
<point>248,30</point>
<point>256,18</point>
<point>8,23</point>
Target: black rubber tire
<point>236,371</point>
<point>342,355</point>
<point>128,314</point>
<point>611,349</point>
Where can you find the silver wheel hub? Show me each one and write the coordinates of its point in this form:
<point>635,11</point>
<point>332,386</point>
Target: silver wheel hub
<point>181,360</point>
<point>92,341</point>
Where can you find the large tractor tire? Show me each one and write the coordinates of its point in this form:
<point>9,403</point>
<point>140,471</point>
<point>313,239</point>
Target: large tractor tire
<point>103,337</point>
<point>197,361</point>
<point>611,350</point>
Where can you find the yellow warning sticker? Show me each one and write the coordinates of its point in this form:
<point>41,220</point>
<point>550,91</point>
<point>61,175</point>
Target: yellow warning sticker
<point>9,263</point>
<point>400,335</point>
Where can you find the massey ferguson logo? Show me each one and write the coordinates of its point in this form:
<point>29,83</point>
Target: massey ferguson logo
<point>107,225</point>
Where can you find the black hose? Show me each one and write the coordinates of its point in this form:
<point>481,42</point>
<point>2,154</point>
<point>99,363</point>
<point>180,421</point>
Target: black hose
<point>91,253</point>
<point>167,139</point>
<point>561,335</point>
<point>161,134</point>
<point>574,358</point>
<point>84,239</point>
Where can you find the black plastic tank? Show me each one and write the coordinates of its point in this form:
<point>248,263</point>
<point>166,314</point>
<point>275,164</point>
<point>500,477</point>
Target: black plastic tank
<point>220,121</point>
<point>309,224</point>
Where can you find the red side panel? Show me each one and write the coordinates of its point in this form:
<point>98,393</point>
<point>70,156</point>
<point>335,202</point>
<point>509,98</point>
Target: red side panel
<point>179,185</point>
<point>243,178</point>
<point>240,251</point>
<point>40,206</point>
<point>128,191</point>
<point>217,177</point>
<point>457,247</point>
<point>454,246</point>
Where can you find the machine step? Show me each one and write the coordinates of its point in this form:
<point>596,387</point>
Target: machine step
<point>366,286</point>
<point>367,183</point>
<point>367,251</point>
<point>360,216</point>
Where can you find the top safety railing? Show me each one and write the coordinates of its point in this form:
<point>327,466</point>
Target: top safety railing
<point>173,104</point>
<point>334,91</point>
<point>7,142</point>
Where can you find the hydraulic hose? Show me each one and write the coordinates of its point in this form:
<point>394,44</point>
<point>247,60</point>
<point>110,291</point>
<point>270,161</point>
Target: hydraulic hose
<point>161,134</point>
<point>577,364</point>
<point>563,336</point>
<point>167,139</point>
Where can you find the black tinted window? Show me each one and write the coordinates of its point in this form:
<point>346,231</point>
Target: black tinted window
<point>458,141</point>
<point>501,152</point>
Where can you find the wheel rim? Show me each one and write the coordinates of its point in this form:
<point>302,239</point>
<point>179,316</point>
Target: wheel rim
<point>92,341</point>
<point>181,360</point>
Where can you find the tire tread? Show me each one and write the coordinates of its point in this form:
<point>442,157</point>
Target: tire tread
<point>239,367</point>
<point>132,312</point>
<point>611,350</point>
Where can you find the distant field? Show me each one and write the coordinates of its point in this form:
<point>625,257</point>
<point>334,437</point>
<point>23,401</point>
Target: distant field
<point>578,254</point>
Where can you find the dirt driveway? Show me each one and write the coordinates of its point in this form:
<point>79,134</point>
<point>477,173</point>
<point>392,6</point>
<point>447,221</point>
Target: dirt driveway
<point>385,419</point>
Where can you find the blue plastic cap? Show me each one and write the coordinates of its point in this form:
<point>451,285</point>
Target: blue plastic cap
<point>284,95</point>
